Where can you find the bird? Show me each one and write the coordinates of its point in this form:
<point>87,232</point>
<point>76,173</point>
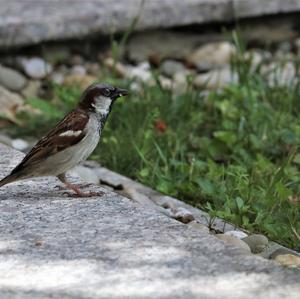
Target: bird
<point>71,141</point>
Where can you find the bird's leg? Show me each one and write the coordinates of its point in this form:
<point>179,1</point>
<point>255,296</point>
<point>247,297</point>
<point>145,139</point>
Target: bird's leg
<point>76,189</point>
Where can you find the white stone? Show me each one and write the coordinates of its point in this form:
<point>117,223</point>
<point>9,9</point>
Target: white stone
<point>215,79</point>
<point>212,55</point>
<point>20,144</point>
<point>78,70</point>
<point>236,233</point>
<point>141,72</point>
<point>233,241</point>
<point>36,67</point>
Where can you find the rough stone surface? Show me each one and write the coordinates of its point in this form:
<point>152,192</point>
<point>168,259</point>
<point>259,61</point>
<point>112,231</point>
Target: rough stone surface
<point>111,247</point>
<point>31,21</point>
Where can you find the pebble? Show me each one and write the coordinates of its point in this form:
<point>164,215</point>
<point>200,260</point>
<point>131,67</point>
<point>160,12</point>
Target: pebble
<point>11,79</point>
<point>180,83</point>
<point>281,251</point>
<point>288,260</point>
<point>83,81</point>
<point>212,55</point>
<point>198,226</point>
<point>9,103</point>
<point>236,233</point>
<point>20,144</point>
<point>76,59</point>
<point>118,67</point>
<point>93,68</point>
<point>141,72</point>
<point>36,67</point>
<point>78,70</point>
<point>170,67</point>
<point>57,77</point>
<point>5,140</point>
<point>215,79</point>
<point>183,215</point>
<point>31,89</point>
<point>233,241</point>
<point>256,242</point>
<point>278,74</point>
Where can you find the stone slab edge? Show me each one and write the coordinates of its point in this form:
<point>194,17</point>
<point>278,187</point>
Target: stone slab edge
<point>31,22</point>
<point>114,248</point>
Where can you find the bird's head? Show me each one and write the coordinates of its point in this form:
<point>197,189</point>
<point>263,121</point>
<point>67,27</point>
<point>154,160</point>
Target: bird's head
<point>99,97</point>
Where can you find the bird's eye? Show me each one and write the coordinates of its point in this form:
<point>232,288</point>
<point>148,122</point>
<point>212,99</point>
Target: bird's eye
<point>106,92</point>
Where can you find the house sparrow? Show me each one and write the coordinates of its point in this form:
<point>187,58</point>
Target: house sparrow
<point>71,141</point>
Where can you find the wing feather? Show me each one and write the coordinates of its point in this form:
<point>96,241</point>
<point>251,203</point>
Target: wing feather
<point>69,131</point>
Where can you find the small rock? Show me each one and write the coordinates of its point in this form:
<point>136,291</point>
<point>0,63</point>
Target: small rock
<point>215,79</point>
<point>11,79</point>
<point>10,102</point>
<point>31,89</point>
<point>198,226</point>
<point>36,67</point>
<point>236,233</point>
<point>78,70</point>
<point>5,140</point>
<point>118,67</point>
<point>141,72</point>
<point>83,81</point>
<point>20,144</point>
<point>76,59</point>
<point>281,251</point>
<point>278,74</point>
<point>233,241</point>
<point>288,260</point>
<point>180,83</point>
<point>166,83</point>
<point>57,78</point>
<point>93,68</point>
<point>183,215</point>
<point>257,243</point>
<point>171,67</point>
<point>86,174</point>
<point>213,55</point>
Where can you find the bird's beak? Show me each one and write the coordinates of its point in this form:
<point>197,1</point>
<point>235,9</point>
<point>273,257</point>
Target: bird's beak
<point>120,92</point>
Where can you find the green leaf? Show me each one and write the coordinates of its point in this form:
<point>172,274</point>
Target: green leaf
<point>228,137</point>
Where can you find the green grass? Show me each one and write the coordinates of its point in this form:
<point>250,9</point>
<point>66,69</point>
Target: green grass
<point>234,153</point>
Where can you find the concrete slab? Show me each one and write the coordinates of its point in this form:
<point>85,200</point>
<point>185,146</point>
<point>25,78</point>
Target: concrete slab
<point>110,247</point>
<point>34,21</point>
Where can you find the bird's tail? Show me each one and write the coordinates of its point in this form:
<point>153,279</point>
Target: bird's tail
<point>9,179</point>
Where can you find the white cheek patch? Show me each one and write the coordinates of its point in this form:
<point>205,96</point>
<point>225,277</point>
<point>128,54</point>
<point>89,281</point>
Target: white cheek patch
<point>102,104</point>
<point>70,133</point>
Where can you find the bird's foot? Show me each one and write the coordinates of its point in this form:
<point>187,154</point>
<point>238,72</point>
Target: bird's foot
<point>79,193</point>
<point>81,186</point>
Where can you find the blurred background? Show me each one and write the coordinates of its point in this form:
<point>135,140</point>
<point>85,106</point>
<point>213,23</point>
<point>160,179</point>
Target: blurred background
<point>213,116</point>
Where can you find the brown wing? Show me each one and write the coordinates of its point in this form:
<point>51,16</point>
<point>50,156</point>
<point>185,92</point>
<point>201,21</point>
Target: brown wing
<point>69,131</point>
